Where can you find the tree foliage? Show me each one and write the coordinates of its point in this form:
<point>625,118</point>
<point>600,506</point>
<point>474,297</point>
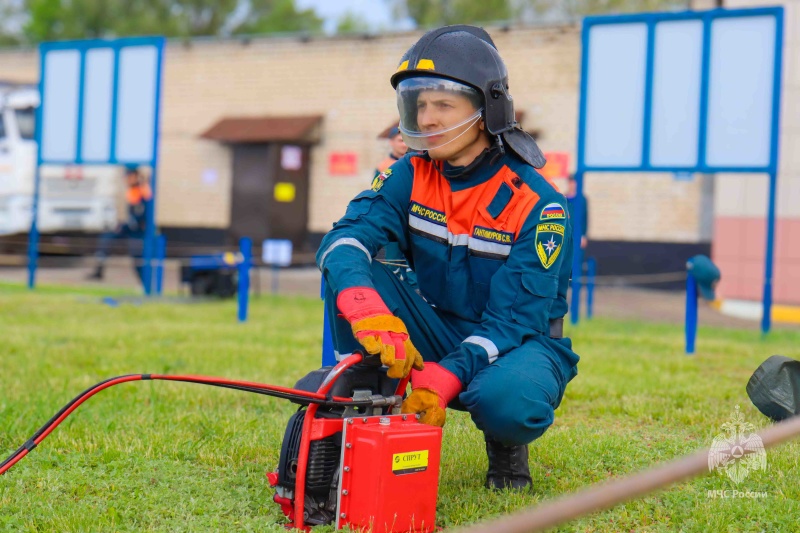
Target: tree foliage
<point>431,13</point>
<point>352,23</point>
<point>277,16</point>
<point>439,12</point>
<point>81,19</point>
<point>46,20</point>
<point>577,8</point>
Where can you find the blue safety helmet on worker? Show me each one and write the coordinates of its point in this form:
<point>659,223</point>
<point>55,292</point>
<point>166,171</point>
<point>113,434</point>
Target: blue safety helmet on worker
<point>490,240</point>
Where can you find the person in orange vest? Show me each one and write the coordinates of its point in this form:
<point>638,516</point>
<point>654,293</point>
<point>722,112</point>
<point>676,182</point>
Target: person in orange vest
<point>397,149</point>
<point>392,254</point>
<point>138,199</point>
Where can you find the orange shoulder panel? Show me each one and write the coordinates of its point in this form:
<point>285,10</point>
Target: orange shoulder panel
<point>468,208</point>
<point>527,201</point>
<point>470,204</point>
<point>430,188</point>
<point>513,215</point>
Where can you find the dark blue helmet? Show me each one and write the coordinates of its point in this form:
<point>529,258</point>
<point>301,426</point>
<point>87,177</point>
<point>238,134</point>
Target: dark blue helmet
<point>467,54</point>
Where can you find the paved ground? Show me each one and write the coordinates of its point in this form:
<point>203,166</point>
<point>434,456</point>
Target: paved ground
<point>119,273</point>
<point>613,302</point>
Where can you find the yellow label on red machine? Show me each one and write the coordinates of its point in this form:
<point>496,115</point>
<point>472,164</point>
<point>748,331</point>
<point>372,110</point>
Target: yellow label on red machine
<point>409,462</point>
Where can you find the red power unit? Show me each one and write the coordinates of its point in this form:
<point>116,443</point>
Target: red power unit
<point>371,469</point>
<point>390,474</point>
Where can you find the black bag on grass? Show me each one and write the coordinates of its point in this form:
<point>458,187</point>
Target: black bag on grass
<point>775,387</point>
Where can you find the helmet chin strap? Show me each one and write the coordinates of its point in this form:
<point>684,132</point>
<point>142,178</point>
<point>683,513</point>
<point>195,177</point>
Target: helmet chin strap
<point>501,150</point>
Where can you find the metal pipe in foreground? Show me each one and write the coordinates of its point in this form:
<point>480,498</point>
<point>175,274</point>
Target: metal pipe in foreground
<point>608,494</point>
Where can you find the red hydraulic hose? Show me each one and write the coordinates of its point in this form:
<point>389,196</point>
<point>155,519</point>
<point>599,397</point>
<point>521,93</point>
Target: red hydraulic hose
<point>83,398</point>
<point>300,396</point>
<point>50,426</point>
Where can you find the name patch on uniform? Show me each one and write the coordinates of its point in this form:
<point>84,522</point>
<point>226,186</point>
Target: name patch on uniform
<point>552,211</point>
<point>549,239</point>
<point>377,183</point>
<point>426,213</point>
<point>492,235</point>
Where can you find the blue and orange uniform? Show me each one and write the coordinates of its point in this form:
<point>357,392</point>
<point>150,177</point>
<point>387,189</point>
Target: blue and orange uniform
<point>392,254</point>
<point>491,245</point>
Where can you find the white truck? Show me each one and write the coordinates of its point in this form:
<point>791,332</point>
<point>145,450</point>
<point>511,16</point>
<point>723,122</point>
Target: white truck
<point>71,198</point>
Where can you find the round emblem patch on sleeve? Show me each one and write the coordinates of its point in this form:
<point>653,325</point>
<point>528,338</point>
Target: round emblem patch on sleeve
<point>552,211</point>
<point>549,240</point>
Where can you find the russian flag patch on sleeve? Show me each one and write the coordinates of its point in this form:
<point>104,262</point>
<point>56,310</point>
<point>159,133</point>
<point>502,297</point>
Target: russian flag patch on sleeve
<point>552,211</point>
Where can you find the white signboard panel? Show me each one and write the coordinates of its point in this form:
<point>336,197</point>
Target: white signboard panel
<point>137,103</point>
<point>677,80</point>
<point>277,252</point>
<point>98,105</point>
<point>615,94</point>
<point>740,92</point>
<point>60,116</point>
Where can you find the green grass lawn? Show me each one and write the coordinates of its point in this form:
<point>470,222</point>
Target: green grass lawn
<point>159,456</point>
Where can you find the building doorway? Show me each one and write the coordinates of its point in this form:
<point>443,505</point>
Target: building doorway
<point>270,179</point>
<point>269,197</point>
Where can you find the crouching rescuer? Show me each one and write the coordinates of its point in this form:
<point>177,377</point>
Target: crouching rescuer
<point>490,240</point>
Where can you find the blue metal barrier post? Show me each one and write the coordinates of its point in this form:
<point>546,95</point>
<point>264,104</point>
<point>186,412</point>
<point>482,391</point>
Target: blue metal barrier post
<point>591,269</point>
<point>766,314</point>
<point>577,251</point>
<point>33,236</point>
<point>246,250</point>
<point>161,255</point>
<point>691,313</point>
<point>328,354</point>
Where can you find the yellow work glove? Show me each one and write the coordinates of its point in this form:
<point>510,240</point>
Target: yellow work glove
<point>431,390</point>
<point>379,331</point>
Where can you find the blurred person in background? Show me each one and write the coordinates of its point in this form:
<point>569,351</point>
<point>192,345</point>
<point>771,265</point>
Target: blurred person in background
<point>392,254</point>
<point>490,241</point>
<point>397,149</point>
<point>137,200</point>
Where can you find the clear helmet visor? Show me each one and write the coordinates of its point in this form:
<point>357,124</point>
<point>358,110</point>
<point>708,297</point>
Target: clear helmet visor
<point>436,111</point>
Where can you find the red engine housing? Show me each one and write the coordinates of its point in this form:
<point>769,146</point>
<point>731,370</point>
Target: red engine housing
<point>387,477</point>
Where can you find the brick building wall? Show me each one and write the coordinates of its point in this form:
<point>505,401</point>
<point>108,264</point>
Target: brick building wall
<point>346,81</point>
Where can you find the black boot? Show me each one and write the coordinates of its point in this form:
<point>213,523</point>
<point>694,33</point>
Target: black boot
<point>508,466</point>
<point>97,274</point>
